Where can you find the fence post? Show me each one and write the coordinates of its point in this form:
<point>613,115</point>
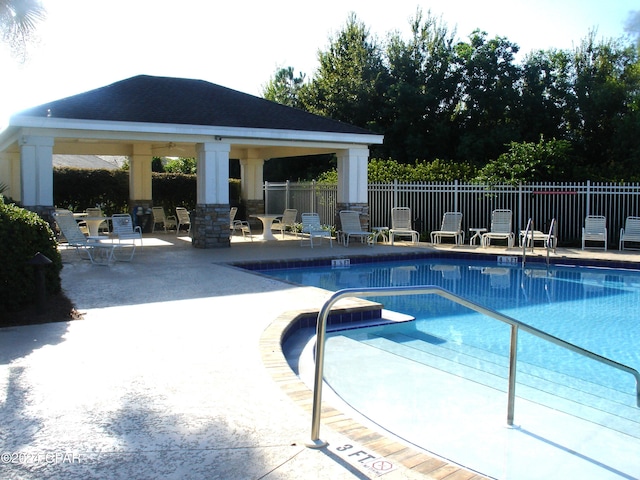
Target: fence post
<point>313,196</point>
<point>286,196</point>
<point>520,208</point>
<point>266,196</point>
<point>588,198</point>
<point>455,196</point>
<point>395,193</point>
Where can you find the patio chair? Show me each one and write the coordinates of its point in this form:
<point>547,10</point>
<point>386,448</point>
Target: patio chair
<point>548,239</point>
<point>401,225</point>
<point>97,251</point>
<point>630,232</point>
<point>312,227</point>
<point>287,220</point>
<point>451,227</point>
<point>168,222</point>
<point>232,216</point>
<point>123,230</point>
<point>241,225</point>
<point>594,230</point>
<point>350,226</point>
<point>501,228</point>
<point>183,219</point>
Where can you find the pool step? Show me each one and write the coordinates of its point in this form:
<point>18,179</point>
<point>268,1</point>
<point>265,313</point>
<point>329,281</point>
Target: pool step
<point>598,404</point>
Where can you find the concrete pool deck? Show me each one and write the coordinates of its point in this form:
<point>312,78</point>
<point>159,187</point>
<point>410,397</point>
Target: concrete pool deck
<point>175,373</point>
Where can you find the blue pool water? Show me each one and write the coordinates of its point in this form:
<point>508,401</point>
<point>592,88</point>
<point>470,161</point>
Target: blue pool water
<point>440,381</point>
<point>594,308</point>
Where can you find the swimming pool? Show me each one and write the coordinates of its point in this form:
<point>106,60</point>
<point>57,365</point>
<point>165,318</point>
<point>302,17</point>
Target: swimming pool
<point>454,361</point>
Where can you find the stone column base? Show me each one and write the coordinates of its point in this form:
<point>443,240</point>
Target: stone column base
<point>210,226</point>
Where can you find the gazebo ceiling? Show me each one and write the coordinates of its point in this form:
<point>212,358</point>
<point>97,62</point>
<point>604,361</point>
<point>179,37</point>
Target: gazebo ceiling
<point>172,115</point>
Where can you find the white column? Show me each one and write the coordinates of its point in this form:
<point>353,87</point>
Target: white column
<point>213,173</point>
<point>352,176</point>
<point>36,171</point>
<point>251,178</point>
<point>140,173</point>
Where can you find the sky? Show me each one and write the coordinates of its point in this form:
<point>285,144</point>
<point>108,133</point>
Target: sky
<point>86,44</point>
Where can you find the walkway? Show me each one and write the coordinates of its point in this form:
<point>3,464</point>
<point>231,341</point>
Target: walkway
<point>171,375</point>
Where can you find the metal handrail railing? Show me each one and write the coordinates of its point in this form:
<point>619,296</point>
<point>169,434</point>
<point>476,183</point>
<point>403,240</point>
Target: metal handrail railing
<point>323,315</point>
<point>551,239</point>
<point>525,240</point>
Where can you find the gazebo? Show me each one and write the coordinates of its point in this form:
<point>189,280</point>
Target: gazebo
<point>144,117</point>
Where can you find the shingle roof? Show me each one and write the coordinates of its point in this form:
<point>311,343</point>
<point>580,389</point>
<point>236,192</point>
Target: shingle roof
<point>182,101</point>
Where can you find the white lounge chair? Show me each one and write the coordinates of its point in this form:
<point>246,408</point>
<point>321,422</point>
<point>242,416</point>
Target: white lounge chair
<point>240,225</point>
<point>311,226</point>
<point>124,231</point>
<point>594,230</point>
<point>232,216</point>
<point>97,249</point>
<point>501,228</point>
<point>630,232</point>
<point>183,219</point>
<point>548,239</point>
<point>168,222</point>
<point>451,227</point>
<point>401,225</point>
<point>286,221</point>
<point>350,226</point>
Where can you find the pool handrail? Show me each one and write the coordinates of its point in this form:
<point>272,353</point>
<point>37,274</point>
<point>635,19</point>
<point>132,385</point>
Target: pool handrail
<point>525,239</point>
<point>551,239</point>
<point>321,331</point>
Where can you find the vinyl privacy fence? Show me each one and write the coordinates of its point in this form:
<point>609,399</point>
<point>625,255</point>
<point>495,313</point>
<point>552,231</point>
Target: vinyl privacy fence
<point>568,203</point>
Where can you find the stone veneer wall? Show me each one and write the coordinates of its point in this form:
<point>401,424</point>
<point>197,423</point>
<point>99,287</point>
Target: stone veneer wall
<point>362,208</point>
<point>210,228</point>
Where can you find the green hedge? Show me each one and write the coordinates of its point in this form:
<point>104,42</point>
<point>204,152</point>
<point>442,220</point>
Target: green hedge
<point>22,235</point>
<point>77,189</point>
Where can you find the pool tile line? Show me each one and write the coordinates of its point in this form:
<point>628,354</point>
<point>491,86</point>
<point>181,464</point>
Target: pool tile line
<point>410,458</point>
<point>261,265</point>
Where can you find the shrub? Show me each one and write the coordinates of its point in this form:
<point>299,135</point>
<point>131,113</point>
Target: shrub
<point>525,162</point>
<point>22,235</point>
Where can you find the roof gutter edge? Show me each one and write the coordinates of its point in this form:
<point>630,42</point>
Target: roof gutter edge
<point>26,121</point>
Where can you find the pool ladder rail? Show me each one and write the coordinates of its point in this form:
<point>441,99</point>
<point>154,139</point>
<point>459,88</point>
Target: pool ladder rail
<point>550,242</point>
<point>516,325</point>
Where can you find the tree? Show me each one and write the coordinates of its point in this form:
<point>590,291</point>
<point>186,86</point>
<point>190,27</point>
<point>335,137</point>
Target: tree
<point>606,85</point>
<point>351,82</point>
<point>488,96</point>
<point>422,92</point>
<point>181,165</point>
<point>544,87</point>
<point>18,19</point>
<point>436,98</point>
<point>284,87</point>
